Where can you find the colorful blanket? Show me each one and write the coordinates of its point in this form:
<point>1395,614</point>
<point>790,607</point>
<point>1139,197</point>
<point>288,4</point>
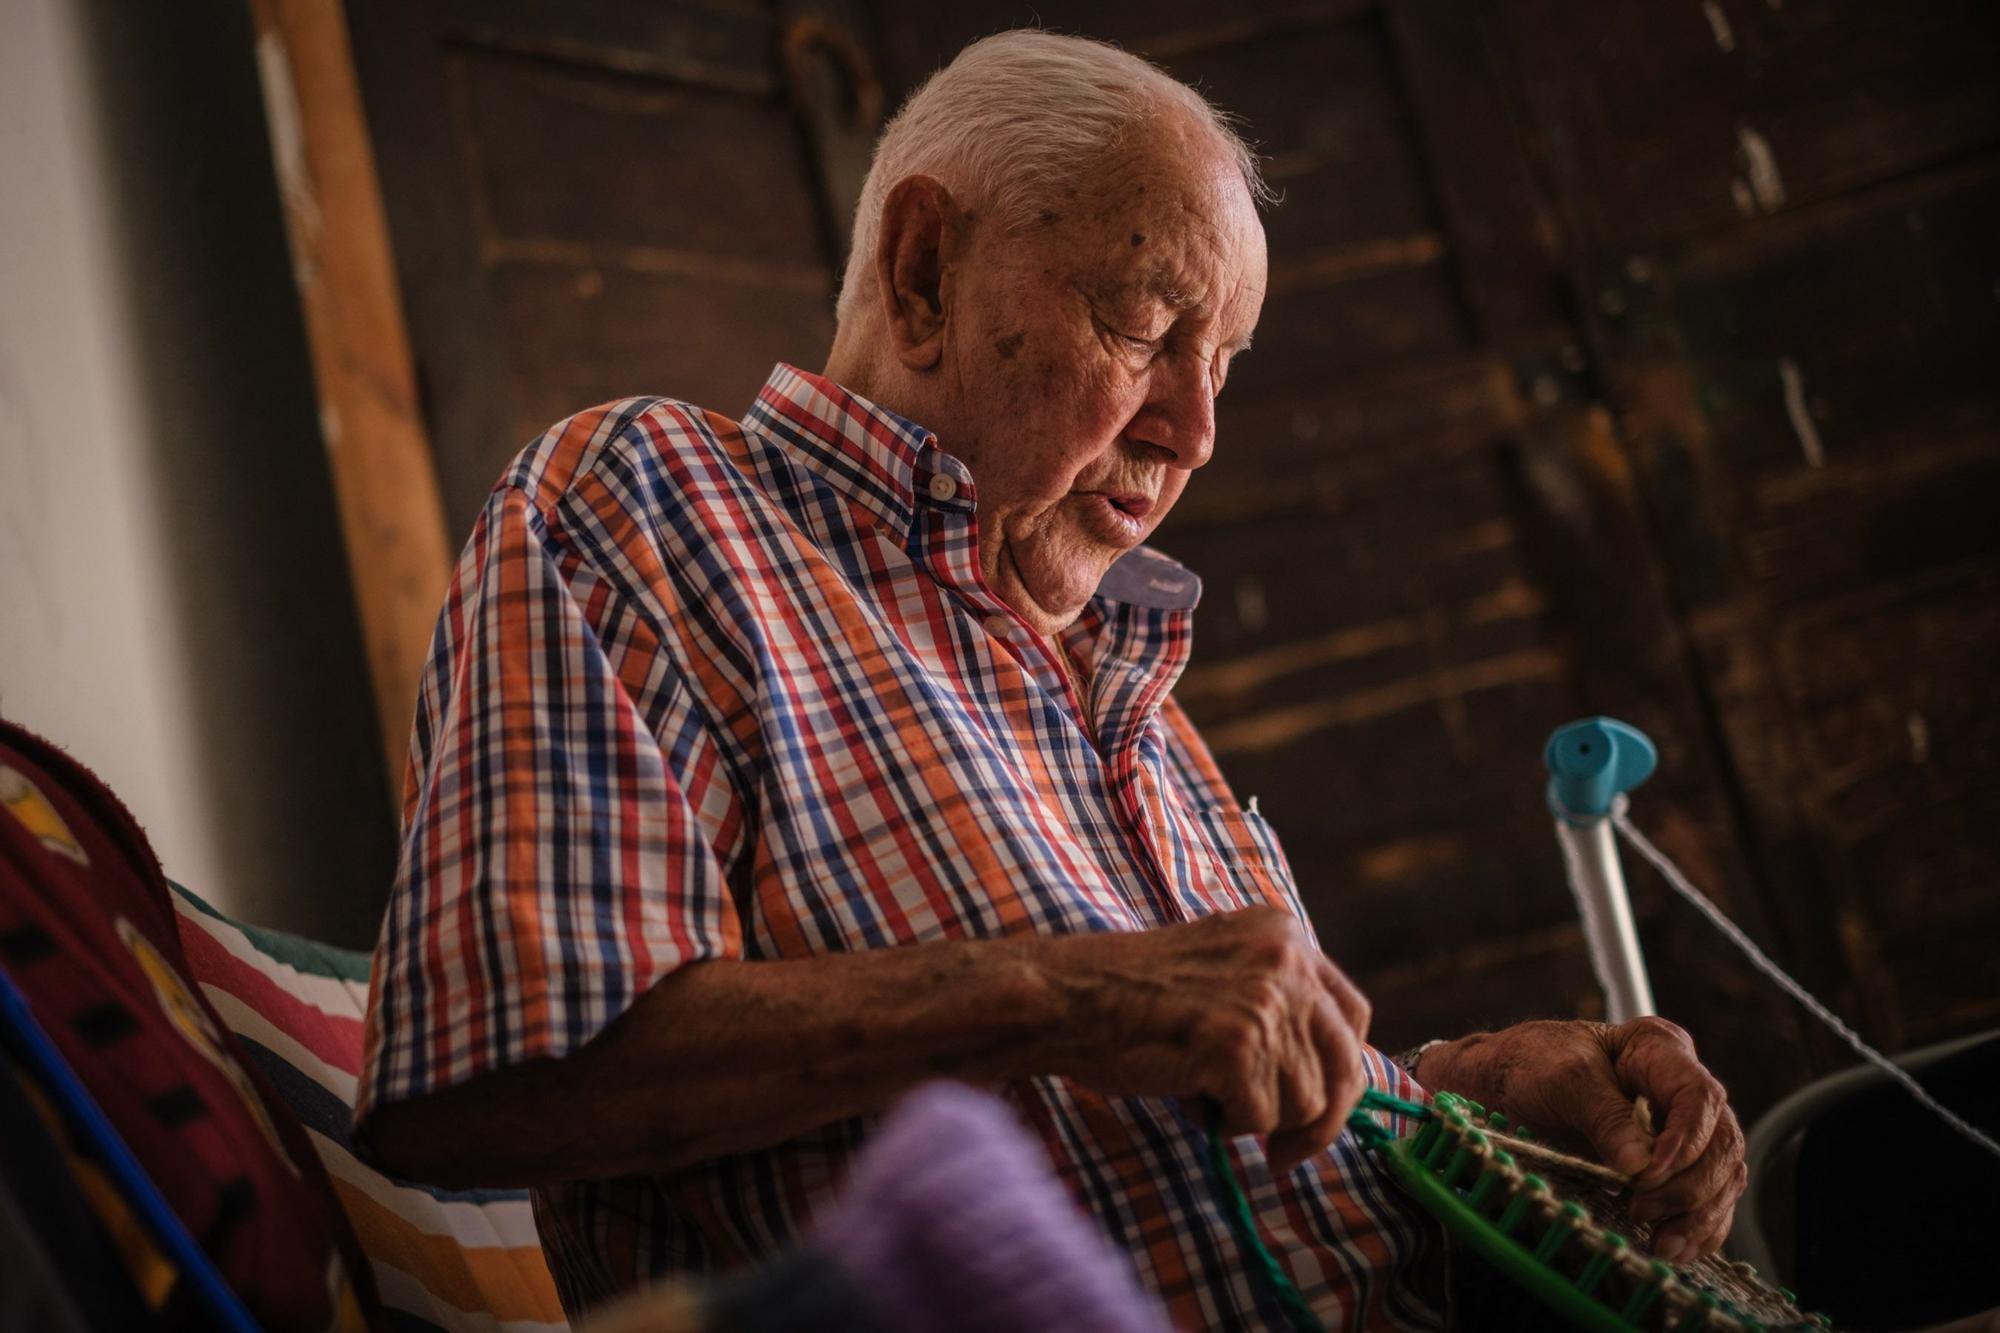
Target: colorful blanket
<point>464,1262</point>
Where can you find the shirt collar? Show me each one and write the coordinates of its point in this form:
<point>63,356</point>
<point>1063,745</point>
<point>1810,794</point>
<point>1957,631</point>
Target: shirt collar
<point>867,454</point>
<point>890,466</point>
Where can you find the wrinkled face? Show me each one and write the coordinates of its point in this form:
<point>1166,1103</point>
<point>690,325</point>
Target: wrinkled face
<point>1083,359</point>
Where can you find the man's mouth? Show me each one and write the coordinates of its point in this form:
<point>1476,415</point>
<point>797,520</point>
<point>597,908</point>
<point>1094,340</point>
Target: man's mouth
<point>1117,518</point>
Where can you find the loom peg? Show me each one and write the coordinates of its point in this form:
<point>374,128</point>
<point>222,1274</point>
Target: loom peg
<point>1489,1180</point>
<point>1468,1154</point>
<point>1658,1275</point>
<point>1427,1138</point>
<point>1523,1199</point>
<point>1567,1219</point>
<point>1594,1271</point>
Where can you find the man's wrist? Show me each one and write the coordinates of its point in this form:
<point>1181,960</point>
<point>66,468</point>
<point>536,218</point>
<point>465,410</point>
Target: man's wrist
<point>1074,979</point>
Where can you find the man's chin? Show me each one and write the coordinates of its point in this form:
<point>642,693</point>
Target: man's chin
<point>1050,599</point>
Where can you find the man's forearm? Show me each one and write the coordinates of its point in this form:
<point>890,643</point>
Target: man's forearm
<point>730,1056</point>
<point>725,1057</point>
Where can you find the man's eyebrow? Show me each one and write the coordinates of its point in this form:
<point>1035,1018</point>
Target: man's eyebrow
<point>1160,284</point>
<point>1172,295</point>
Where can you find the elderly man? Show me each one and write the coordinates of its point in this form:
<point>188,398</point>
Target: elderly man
<point>766,768</point>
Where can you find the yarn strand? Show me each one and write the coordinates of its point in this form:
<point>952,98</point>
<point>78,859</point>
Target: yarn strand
<point>1222,1178</point>
<point>1762,961</point>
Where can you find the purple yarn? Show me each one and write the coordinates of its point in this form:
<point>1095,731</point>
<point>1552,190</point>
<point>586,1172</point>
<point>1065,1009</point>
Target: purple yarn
<point>952,1221</point>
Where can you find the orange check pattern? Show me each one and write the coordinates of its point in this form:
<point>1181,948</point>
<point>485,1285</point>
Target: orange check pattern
<point>715,689</point>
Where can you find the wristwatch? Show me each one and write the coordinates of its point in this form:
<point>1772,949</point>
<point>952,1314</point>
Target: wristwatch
<point>1410,1059</point>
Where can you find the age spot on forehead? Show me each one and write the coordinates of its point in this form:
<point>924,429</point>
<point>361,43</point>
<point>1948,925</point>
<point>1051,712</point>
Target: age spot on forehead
<point>1138,238</point>
<point>1009,345</point>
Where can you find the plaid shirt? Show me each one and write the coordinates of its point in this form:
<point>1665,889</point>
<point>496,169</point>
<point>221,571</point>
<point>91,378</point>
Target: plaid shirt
<point>716,689</point>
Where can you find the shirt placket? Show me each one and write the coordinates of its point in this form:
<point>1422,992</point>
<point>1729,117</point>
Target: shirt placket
<point>1144,651</point>
<point>943,544</point>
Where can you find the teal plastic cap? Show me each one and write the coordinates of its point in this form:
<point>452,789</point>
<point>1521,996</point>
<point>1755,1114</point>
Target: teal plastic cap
<point>1591,763</point>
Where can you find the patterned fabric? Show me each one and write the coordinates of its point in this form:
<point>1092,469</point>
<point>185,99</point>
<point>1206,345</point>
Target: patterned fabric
<point>99,1007</point>
<point>715,689</point>
<point>466,1262</point>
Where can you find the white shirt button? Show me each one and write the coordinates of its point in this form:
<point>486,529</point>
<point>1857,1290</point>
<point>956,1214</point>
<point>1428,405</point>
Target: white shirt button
<point>943,486</point>
<point>998,626</point>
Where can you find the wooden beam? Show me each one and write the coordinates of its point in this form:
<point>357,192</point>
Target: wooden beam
<point>385,482</point>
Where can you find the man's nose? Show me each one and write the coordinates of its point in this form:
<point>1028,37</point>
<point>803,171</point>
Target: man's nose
<point>1181,408</point>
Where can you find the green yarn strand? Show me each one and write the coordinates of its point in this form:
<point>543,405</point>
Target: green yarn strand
<point>1222,1179</point>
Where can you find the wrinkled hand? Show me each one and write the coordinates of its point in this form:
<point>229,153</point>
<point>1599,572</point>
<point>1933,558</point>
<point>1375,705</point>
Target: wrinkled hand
<point>1240,1007</point>
<point>1580,1079</point>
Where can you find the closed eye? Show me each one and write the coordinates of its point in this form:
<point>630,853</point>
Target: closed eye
<point>1132,340</point>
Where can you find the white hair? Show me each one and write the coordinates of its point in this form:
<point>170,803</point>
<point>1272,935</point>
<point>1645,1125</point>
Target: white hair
<point>1014,118</point>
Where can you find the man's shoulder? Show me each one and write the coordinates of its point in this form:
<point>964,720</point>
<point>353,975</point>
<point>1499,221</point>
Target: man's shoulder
<point>628,442</point>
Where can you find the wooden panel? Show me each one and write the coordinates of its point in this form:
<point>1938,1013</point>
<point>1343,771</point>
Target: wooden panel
<point>1861,325</point>
<point>1676,117</point>
<point>1505,981</point>
<point>1939,963</point>
<point>1815,413</point>
<point>1346,436</point>
<point>1311,330</point>
<point>704,43</point>
<point>630,211</point>
<point>1320,147</point>
<point>1500,223</point>
<point>1900,711</point>
<point>1846,370</point>
<point>667,277</point>
<point>461,381</point>
<point>578,337</point>
<point>917,38</point>
<point>631,168</point>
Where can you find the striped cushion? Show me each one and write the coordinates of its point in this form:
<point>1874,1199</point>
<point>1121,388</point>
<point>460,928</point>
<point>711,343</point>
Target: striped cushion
<point>456,1261</point>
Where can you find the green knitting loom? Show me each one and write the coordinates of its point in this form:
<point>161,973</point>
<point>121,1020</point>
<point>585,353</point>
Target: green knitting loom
<point>1560,1232</point>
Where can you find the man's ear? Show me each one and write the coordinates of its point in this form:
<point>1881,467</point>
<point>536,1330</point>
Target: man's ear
<point>922,235</point>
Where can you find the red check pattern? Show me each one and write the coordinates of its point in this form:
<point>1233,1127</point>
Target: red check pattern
<point>715,689</point>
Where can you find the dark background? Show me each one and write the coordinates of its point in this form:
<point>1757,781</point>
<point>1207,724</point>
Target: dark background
<point>1638,358</point>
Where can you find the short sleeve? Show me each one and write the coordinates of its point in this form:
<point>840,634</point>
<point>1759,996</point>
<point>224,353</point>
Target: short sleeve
<point>554,866</point>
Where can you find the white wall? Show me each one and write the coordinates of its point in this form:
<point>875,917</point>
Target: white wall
<point>174,606</point>
<point>87,654</point>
